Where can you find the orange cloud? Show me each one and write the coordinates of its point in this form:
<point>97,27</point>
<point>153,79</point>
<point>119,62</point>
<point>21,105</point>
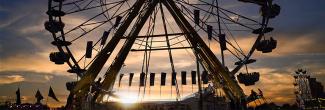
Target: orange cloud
<point>37,63</point>
<point>11,79</point>
<point>277,87</point>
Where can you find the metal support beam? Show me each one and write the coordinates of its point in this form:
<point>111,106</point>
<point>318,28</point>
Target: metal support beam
<point>206,56</point>
<point>209,60</point>
<point>102,57</point>
<point>199,80</point>
<point>155,49</point>
<point>159,35</point>
<point>115,67</point>
<point>169,50</point>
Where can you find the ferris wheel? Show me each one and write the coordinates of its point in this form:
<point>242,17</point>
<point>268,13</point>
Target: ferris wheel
<point>86,32</point>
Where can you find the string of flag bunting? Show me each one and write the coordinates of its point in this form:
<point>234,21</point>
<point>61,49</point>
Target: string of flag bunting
<point>163,77</point>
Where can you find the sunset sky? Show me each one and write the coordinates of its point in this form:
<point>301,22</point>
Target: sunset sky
<point>25,46</point>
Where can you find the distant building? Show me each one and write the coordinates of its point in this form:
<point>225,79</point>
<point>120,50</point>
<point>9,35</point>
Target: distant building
<point>309,92</point>
<point>316,88</point>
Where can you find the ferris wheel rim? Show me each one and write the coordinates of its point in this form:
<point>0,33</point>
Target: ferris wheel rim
<point>75,64</point>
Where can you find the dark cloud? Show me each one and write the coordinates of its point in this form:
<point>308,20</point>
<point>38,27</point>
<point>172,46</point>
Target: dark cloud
<point>12,44</point>
<point>300,19</point>
<point>21,23</point>
<point>290,61</point>
<point>37,78</point>
<point>300,16</point>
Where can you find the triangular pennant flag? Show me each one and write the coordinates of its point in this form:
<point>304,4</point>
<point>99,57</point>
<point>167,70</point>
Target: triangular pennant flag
<point>39,97</point>
<point>51,94</point>
<point>18,101</point>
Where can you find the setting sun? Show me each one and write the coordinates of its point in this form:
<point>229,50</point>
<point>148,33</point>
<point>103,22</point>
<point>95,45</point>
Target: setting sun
<point>128,98</point>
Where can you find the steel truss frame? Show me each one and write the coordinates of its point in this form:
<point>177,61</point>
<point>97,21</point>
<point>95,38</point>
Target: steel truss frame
<point>206,57</point>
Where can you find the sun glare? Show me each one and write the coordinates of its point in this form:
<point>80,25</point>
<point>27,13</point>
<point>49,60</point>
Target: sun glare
<point>128,100</point>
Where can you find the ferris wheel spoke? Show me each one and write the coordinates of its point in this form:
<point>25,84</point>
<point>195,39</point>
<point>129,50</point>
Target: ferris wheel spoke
<point>89,3</point>
<point>94,23</point>
<point>92,7</point>
<point>77,5</point>
<point>235,54</point>
<point>211,5</point>
<point>189,16</point>
<point>127,2</point>
<point>228,18</point>
<point>229,23</point>
<point>238,30</point>
<point>214,33</point>
<point>206,3</point>
<point>114,14</point>
<point>88,32</point>
<point>177,38</point>
<point>234,21</point>
<point>207,15</point>
<point>178,42</point>
<point>149,32</point>
<point>236,50</point>
<point>241,16</point>
<point>89,20</point>
<point>69,3</point>
<point>93,47</point>
<point>100,24</point>
<point>231,35</point>
<point>234,39</point>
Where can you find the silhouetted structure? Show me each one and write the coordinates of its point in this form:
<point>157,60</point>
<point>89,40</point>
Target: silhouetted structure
<point>130,23</point>
<point>38,97</point>
<point>248,79</point>
<point>309,92</point>
<point>18,100</point>
<point>52,94</point>
<point>316,88</point>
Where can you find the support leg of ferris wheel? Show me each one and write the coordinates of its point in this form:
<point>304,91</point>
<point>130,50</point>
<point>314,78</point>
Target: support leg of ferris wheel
<point>209,61</point>
<point>103,56</point>
<point>115,67</point>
